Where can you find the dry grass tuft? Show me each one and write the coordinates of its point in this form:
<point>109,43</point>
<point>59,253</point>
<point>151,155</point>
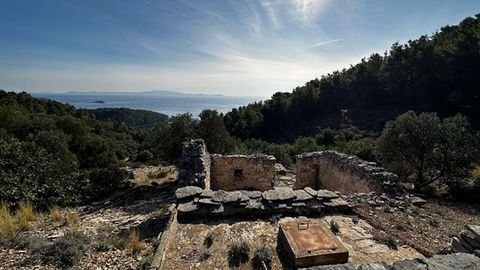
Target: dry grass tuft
<point>73,220</point>
<point>56,214</point>
<point>476,171</point>
<point>26,212</point>
<point>133,243</point>
<point>7,223</point>
<point>23,223</point>
<point>24,215</point>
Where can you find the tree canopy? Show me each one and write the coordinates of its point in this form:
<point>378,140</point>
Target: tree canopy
<point>437,73</point>
<point>427,150</point>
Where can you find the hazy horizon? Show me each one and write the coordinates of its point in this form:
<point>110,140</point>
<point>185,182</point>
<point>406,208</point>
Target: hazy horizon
<point>233,48</point>
<point>140,91</point>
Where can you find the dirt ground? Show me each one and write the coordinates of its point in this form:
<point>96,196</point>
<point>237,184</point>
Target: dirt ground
<point>188,250</point>
<point>429,228</point>
<point>157,175</point>
<point>143,208</point>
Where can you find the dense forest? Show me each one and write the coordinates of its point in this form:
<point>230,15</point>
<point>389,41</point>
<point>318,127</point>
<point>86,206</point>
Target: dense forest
<point>438,73</point>
<point>130,117</point>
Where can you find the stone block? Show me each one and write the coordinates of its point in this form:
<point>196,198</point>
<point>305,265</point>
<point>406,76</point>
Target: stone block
<point>188,191</point>
<point>326,194</point>
<point>187,207</point>
<point>302,195</point>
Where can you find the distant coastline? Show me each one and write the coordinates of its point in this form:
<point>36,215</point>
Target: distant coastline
<point>166,102</point>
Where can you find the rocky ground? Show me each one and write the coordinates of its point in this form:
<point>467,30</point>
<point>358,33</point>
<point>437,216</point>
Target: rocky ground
<point>108,225</point>
<point>189,252</point>
<point>375,232</point>
<point>428,229</point>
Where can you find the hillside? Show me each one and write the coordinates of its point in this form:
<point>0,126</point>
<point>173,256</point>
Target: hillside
<point>130,117</point>
<point>52,153</point>
<point>436,73</point>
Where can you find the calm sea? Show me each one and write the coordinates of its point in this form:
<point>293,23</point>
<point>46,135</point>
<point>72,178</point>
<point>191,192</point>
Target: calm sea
<point>170,105</point>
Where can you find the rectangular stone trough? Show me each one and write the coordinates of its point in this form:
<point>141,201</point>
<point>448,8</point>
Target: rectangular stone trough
<point>311,244</point>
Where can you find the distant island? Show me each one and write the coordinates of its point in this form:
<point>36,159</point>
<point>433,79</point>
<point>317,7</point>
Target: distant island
<point>99,101</point>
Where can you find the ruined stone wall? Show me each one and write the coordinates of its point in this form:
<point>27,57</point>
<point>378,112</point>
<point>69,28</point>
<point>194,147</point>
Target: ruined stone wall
<point>194,164</point>
<point>344,173</point>
<point>235,172</point>
<point>193,201</point>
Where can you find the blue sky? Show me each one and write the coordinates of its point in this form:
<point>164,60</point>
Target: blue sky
<point>231,47</point>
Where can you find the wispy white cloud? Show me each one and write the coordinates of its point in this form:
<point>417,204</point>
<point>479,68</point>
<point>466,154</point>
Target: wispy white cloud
<point>323,43</point>
<point>308,9</point>
<point>271,8</point>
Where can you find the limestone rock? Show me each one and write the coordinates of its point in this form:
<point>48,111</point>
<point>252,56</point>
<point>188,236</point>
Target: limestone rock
<point>310,191</point>
<point>302,195</point>
<point>417,201</point>
<point>460,261</point>
<point>457,261</point>
<point>207,193</point>
<point>252,194</point>
<point>187,207</point>
<point>373,266</point>
<point>280,169</point>
<point>467,241</point>
<point>347,266</point>
<point>219,195</point>
<point>326,194</point>
<point>208,201</point>
<point>336,203</point>
<point>470,238</point>
<point>475,229</point>
<point>298,204</point>
<point>279,194</point>
<point>415,264</point>
<point>234,196</point>
<point>188,191</point>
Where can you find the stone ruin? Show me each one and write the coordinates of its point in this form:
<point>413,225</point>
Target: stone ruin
<point>240,184</point>
<point>216,185</point>
<point>326,169</point>
<point>344,173</point>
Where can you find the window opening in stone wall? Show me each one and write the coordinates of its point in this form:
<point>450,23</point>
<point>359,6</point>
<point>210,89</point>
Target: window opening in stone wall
<point>238,173</point>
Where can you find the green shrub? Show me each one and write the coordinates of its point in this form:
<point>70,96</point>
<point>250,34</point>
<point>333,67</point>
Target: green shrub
<point>106,180</point>
<point>68,250</point>
<point>363,148</point>
<point>204,255</point>
<point>208,241</point>
<point>263,254</point>
<point>391,242</point>
<point>34,244</point>
<point>334,227</point>
<point>238,253</point>
<point>144,155</point>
